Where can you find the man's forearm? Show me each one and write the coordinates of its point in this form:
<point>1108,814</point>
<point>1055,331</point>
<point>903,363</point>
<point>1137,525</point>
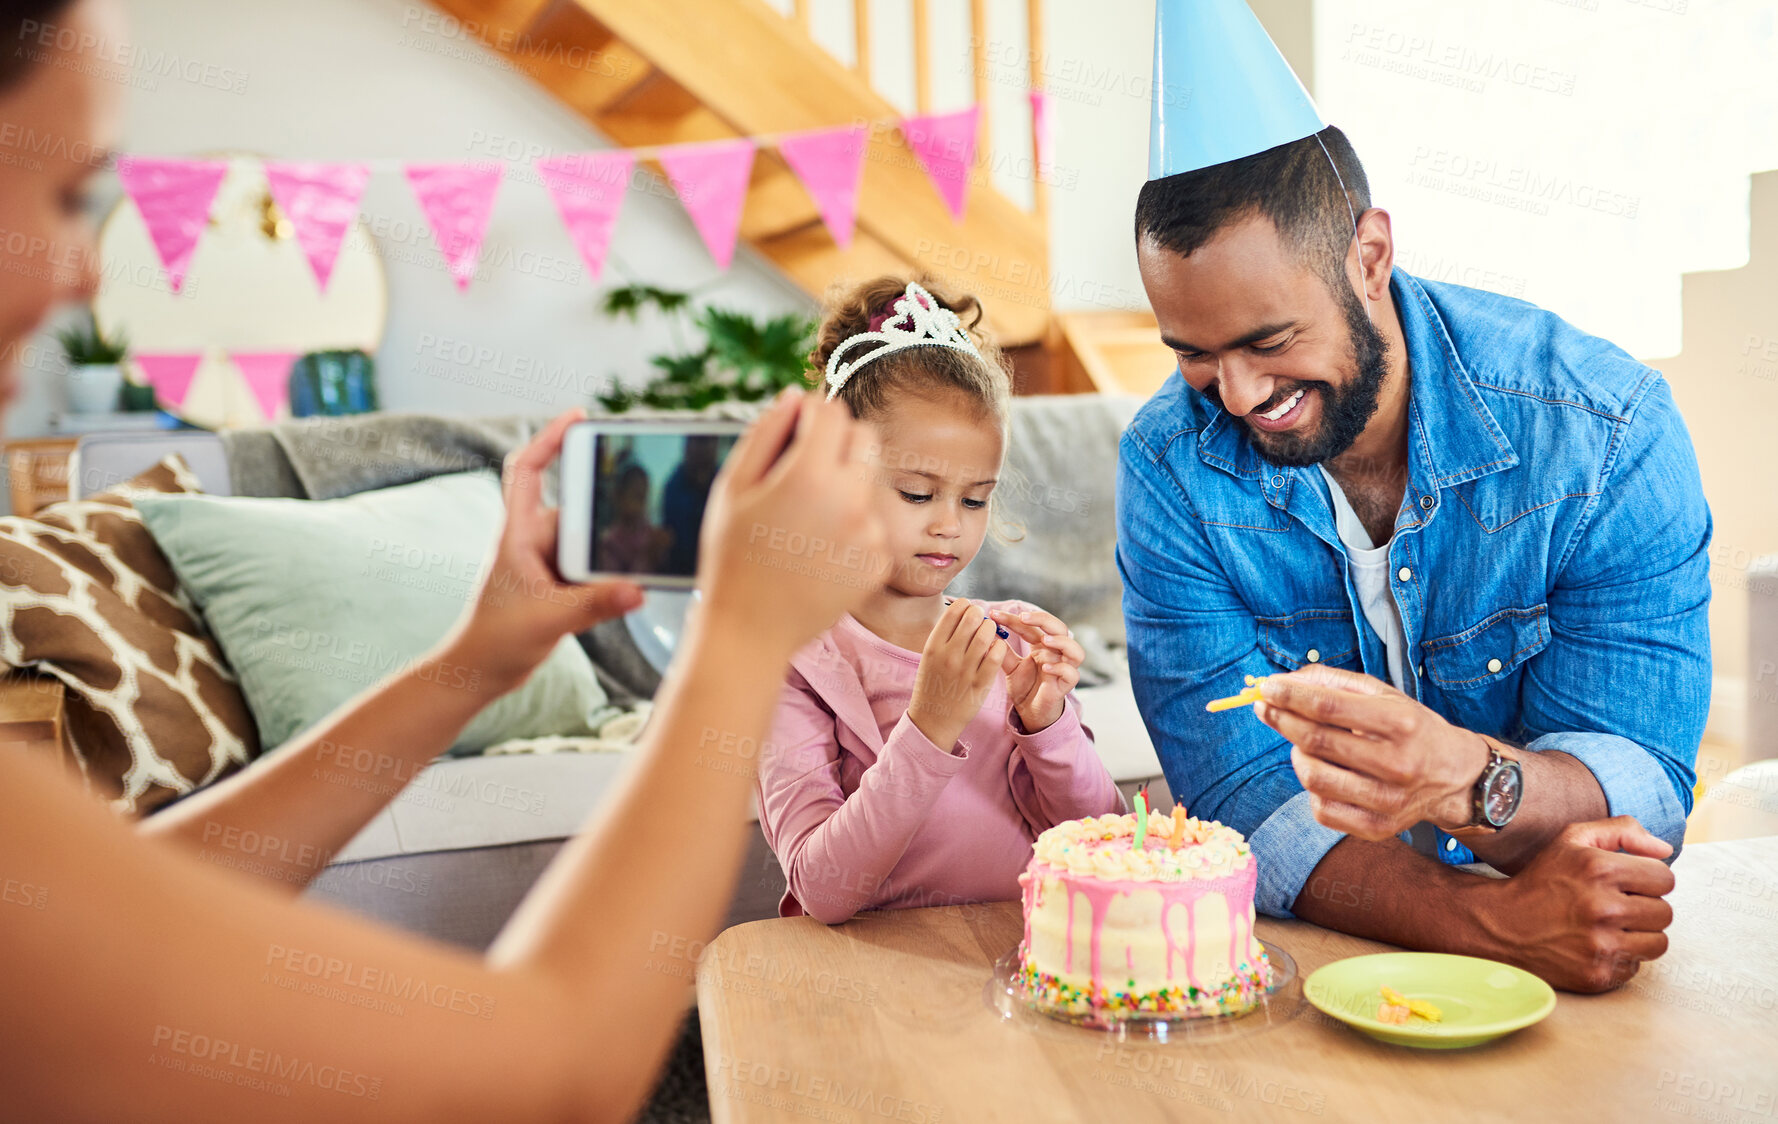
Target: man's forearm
<point>285,817</point>
<point>1558,791</point>
<point>1388,891</point>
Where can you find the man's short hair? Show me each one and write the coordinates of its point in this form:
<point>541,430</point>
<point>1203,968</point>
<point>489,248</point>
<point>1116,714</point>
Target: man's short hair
<point>1292,185</point>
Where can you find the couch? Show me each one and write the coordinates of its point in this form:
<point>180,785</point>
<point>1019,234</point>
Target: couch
<point>452,856</point>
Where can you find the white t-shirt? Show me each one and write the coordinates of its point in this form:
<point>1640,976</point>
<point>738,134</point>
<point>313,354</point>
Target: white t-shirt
<point>1370,573</point>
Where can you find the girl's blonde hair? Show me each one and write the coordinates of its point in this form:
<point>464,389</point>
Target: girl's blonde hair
<point>914,370</point>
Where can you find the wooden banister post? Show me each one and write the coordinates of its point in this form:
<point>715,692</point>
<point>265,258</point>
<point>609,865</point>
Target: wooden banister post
<point>922,57</point>
<point>1040,190</point>
<point>861,38</point>
<point>978,33</point>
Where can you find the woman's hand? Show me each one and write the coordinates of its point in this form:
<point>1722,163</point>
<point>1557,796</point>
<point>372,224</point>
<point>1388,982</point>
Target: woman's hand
<point>790,540</point>
<point>521,608</point>
<point>963,654</point>
<point>1038,683</point>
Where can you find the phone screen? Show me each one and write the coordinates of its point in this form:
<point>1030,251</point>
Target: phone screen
<point>649,494</point>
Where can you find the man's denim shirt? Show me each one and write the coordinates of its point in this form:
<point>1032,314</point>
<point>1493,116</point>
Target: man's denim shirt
<point>1549,562</point>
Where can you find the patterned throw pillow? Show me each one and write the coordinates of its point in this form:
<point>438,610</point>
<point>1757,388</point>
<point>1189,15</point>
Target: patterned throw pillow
<point>152,710</point>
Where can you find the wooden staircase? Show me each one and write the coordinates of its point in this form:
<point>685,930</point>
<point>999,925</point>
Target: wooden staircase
<point>656,72</point>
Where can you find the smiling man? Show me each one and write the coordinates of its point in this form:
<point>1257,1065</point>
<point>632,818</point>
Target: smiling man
<point>1473,534</point>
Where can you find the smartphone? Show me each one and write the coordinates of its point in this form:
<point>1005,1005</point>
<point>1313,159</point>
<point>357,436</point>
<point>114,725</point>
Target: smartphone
<point>632,498</point>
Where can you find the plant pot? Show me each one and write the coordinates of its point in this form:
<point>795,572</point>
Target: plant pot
<point>93,387</point>
<point>135,398</point>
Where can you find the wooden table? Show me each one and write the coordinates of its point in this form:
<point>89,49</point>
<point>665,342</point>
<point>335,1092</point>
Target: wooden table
<point>883,1018</point>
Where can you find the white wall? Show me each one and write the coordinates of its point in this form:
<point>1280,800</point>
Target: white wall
<point>1581,154</point>
<point>1097,67</point>
<point>368,79</point>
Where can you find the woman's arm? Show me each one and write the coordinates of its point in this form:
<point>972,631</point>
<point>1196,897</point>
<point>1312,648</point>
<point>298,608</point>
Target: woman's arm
<point>285,816</point>
<point>200,995</point>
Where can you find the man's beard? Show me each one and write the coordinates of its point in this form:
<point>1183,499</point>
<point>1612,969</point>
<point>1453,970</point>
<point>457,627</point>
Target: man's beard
<point>1345,411</point>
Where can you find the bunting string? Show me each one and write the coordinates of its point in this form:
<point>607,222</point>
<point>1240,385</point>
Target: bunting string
<point>321,201</point>
<point>321,198</point>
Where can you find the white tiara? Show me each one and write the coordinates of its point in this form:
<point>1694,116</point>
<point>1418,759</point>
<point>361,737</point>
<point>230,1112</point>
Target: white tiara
<point>929,324</point>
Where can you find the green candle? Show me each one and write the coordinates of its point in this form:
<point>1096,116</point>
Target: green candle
<point>1141,817</point>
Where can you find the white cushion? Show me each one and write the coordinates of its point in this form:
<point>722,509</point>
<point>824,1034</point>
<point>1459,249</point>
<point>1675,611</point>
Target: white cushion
<point>468,802</point>
<point>1110,712</point>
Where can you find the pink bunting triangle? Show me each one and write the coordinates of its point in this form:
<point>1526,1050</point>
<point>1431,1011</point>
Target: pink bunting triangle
<point>945,144</point>
<point>169,373</point>
<point>320,200</point>
<point>458,200</point>
<point>268,376</point>
<point>589,191</point>
<point>830,162</point>
<point>174,197</point>
<point>1043,135</point>
<point>711,180</point>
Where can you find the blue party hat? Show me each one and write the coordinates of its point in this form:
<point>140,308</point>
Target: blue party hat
<point>1221,89</point>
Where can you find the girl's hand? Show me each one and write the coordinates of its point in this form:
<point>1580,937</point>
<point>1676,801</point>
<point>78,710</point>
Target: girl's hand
<point>962,656</point>
<point>1039,682</point>
<point>790,538</point>
<point>521,608</point>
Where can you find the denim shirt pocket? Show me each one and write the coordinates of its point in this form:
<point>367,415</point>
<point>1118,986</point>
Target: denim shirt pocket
<point>1312,636</point>
<point>1478,669</point>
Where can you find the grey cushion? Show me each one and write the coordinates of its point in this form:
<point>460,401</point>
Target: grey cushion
<point>314,600</point>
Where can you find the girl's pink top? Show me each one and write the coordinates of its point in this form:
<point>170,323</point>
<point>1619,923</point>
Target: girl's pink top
<point>865,812</point>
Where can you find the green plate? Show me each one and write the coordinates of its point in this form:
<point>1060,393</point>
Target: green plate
<point>1480,1000</point>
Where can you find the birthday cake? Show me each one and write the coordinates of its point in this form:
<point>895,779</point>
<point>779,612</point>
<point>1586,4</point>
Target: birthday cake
<point>1124,917</point>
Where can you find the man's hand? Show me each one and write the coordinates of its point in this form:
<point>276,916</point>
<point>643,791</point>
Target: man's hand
<point>1038,683</point>
<point>1587,911</point>
<point>962,656</point>
<point>1374,761</point>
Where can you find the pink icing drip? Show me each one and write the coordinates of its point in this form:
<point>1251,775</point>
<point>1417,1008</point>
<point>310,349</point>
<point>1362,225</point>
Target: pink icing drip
<point>1191,942</point>
<point>1099,896</point>
<point>1068,957</point>
<point>1236,887</point>
<point>1239,918</point>
<point>1028,891</point>
<point>1234,929</point>
<point>1167,939</point>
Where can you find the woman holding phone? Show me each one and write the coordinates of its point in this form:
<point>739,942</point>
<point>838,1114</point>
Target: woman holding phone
<point>142,989</point>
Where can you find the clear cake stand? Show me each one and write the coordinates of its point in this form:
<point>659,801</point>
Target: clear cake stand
<point>1282,1002</point>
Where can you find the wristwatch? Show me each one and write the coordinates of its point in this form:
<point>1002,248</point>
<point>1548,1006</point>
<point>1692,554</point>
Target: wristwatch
<point>1497,793</point>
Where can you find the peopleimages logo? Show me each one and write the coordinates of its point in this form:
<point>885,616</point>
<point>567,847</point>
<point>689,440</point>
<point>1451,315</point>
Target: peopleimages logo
<point>36,38</point>
<point>378,981</point>
<point>252,1067</point>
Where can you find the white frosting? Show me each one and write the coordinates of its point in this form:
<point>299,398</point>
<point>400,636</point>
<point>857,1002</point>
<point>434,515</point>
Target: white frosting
<point>1104,846</point>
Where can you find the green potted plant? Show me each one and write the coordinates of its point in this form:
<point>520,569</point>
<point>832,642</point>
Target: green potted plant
<point>95,367</point>
<point>741,358</point>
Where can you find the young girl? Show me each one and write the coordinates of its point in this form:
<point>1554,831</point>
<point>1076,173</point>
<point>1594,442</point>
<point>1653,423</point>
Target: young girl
<point>922,743</point>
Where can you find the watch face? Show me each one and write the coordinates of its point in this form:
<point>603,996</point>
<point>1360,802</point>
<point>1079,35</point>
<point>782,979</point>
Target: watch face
<point>1502,798</point>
